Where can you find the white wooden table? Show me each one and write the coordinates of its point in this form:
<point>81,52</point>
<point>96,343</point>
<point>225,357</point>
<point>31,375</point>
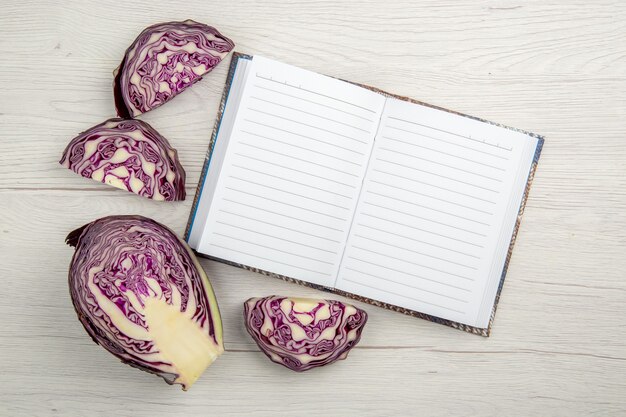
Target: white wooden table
<point>553,67</point>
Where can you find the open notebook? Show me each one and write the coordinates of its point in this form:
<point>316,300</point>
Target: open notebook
<point>352,190</point>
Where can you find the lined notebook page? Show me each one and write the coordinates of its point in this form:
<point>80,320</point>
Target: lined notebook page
<point>439,198</point>
<point>292,172</point>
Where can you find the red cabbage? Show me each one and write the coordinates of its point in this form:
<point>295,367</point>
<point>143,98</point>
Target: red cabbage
<point>128,154</point>
<point>141,294</point>
<point>303,333</point>
<point>165,59</point>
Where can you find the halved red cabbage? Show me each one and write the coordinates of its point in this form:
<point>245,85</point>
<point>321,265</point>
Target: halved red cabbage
<point>141,294</point>
<point>128,154</point>
<point>165,59</point>
<point>303,333</point>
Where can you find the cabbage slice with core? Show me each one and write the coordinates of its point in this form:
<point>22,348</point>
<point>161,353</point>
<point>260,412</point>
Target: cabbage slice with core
<point>140,293</point>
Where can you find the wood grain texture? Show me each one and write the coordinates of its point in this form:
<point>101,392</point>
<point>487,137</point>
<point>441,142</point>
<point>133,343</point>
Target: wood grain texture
<point>558,68</point>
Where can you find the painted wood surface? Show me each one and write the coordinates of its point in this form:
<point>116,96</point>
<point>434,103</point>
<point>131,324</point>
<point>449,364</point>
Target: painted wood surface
<point>558,68</point>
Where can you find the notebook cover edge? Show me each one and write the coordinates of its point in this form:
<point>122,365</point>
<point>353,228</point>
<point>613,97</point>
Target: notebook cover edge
<point>459,326</point>
<point>218,120</point>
